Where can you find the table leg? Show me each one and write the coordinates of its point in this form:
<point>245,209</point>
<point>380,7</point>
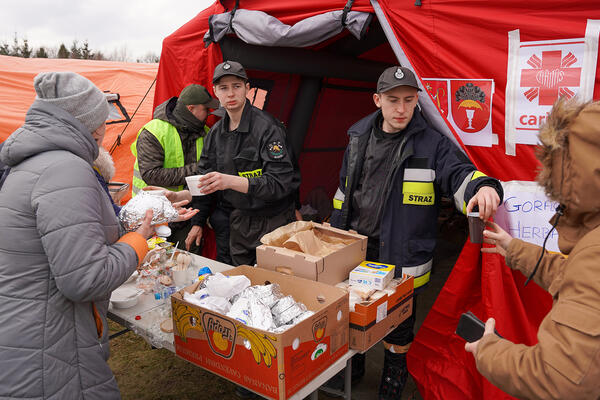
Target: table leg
<point>348,380</point>
<point>117,334</point>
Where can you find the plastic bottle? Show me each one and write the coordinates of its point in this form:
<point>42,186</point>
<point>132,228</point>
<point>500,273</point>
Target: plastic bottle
<point>203,273</point>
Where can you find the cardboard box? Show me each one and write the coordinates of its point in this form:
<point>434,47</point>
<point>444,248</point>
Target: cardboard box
<point>373,274</point>
<point>330,269</point>
<point>371,323</point>
<point>274,365</point>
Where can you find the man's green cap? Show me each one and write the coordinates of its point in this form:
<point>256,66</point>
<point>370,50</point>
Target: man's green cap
<point>194,94</point>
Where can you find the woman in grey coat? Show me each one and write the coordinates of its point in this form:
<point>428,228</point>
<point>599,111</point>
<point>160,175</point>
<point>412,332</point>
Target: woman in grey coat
<point>61,250</point>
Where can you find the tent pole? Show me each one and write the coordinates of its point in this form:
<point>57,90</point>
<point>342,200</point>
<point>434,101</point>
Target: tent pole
<point>303,62</point>
<point>302,111</point>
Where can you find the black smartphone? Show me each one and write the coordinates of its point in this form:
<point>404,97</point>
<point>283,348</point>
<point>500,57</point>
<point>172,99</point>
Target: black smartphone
<point>470,327</point>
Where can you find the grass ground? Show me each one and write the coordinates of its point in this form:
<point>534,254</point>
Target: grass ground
<point>144,373</point>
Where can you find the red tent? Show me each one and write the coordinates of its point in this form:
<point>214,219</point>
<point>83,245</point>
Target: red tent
<point>492,70</point>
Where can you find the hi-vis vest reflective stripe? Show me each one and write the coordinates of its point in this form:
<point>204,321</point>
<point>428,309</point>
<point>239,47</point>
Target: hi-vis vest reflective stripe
<point>338,199</point>
<point>169,139</point>
<point>417,186</point>
<point>420,272</point>
<point>257,173</point>
<point>459,196</point>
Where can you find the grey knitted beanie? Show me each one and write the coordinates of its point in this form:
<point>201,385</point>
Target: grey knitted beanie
<point>75,94</point>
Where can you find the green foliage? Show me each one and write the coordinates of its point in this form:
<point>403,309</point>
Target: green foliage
<point>15,51</point>
<point>75,50</point>
<point>25,50</point>
<point>20,48</point>
<point>86,53</point>
<point>41,53</point>
<point>62,51</point>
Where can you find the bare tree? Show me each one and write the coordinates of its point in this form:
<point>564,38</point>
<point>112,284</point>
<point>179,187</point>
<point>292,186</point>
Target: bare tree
<point>120,54</point>
<point>150,58</point>
<point>52,52</point>
<point>25,49</point>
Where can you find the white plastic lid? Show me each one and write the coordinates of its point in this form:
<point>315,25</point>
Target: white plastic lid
<point>163,231</point>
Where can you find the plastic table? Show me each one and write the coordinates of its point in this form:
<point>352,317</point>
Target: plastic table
<point>152,312</point>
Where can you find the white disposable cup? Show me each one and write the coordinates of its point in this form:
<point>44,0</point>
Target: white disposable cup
<point>192,182</point>
<point>180,277</point>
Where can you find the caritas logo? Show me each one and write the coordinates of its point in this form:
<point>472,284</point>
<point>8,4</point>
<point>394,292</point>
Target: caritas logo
<point>551,76</point>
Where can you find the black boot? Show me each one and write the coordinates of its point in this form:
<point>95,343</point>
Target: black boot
<point>358,367</point>
<point>394,376</point>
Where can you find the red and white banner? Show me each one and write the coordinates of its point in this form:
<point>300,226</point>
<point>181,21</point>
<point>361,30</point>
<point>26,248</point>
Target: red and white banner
<point>467,105</point>
<point>539,73</point>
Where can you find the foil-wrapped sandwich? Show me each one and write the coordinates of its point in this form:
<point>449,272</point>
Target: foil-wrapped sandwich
<point>266,294</point>
<point>132,214</point>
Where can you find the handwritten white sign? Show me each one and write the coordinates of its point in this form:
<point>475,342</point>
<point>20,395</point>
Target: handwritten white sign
<point>525,213</point>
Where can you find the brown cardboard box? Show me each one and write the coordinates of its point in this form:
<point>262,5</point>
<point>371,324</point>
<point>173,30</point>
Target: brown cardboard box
<point>330,269</point>
<point>273,365</point>
<point>371,323</point>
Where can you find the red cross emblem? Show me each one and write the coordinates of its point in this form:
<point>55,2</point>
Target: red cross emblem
<point>550,77</point>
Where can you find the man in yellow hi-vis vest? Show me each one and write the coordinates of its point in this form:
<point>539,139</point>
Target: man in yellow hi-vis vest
<point>168,147</point>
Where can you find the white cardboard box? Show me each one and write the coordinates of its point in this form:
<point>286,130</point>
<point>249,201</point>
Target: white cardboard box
<point>373,274</point>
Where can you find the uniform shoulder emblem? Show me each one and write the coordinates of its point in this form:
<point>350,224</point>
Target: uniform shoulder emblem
<point>276,150</point>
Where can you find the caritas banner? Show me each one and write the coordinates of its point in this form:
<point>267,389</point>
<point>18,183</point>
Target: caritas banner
<point>493,70</point>
<point>539,73</point>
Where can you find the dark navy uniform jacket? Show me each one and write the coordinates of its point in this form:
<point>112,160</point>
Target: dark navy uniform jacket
<point>257,150</point>
<point>425,166</point>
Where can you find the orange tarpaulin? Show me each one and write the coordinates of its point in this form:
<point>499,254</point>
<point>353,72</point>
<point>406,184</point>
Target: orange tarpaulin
<point>130,80</point>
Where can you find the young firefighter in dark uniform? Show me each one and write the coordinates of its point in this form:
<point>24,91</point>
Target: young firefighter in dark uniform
<point>395,170</point>
<point>245,156</point>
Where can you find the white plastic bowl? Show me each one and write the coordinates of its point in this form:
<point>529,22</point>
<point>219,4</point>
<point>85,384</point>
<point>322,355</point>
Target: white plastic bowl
<point>125,297</point>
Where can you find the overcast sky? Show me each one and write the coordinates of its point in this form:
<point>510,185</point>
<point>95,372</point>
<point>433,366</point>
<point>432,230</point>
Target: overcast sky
<point>140,25</point>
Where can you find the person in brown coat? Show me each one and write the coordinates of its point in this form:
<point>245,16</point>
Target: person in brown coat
<point>565,363</point>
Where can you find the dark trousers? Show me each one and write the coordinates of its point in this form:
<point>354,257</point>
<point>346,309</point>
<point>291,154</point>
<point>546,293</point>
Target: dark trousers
<point>179,231</point>
<point>219,220</point>
<point>246,231</point>
<point>404,333</point>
